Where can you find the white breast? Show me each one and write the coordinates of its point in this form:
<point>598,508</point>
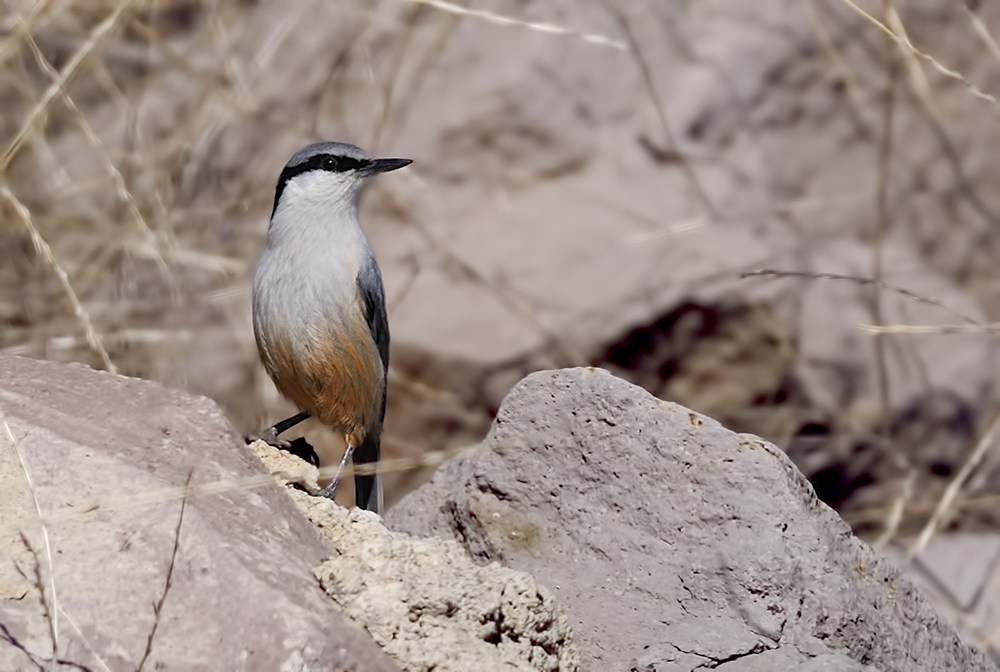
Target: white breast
<point>307,277</point>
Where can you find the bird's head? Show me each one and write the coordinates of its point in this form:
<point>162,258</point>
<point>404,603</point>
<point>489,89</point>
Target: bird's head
<point>331,173</point>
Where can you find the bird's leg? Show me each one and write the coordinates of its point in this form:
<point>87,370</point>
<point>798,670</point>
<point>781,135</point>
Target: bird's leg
<point>271,433</point>
<point>331,490</point>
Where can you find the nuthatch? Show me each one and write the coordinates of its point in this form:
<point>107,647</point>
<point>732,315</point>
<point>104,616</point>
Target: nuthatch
<point>319,305</point>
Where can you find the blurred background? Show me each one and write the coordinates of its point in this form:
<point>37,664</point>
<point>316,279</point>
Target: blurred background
<point>783,213</point>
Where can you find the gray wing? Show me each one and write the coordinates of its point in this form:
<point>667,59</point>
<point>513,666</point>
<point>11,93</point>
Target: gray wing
<point>368,488</point>
<point>373,298</point>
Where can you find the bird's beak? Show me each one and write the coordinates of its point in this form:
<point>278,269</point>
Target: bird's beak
<point>376,166</point>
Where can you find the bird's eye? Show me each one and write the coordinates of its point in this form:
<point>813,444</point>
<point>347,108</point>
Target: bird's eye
<point>330,163</point>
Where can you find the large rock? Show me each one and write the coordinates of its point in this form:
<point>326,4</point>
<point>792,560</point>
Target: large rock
<point>229,587</point>
<point>674,543</point>
<point>243,581</point>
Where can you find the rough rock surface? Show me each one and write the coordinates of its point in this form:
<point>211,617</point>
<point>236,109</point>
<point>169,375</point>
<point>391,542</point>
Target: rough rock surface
<point>228,588</point>
<point>237,583</point>
<point>674,543</point>
<point>958,574</point>
<point>424,600</point>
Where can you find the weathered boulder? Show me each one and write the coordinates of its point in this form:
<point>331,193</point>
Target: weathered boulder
<point>173,549</point>
<point>674,543</point>
<point>229,587</point>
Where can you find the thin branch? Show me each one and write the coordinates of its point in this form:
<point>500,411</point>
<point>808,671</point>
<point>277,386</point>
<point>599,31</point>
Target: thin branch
<point>72,66</point>
<point>43,249</point>
<point>945,504</point>
<point>983,32</point>
<point>420,70</point>
<point>389,87</point>
<point>863,281</point>
<point>668,135</point>
<point>22,28</point>
<point>921,90</point>
<point>85,641</point>
<point>907,46</point>
<point>53,608</point>
<point>855,93</point>
<point>158,606</point>
<point>501,20</point>
<point>899,456</point>
<point>7,636</point>
<point>109,166</point>
<point>992,329</point>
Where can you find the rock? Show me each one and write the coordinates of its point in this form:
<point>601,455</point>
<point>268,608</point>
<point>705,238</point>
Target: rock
<point>430,606</point>
<point>833,663</point>
<point>228,587</point>
<point>243,581</point>
<point>674,543</point>
<point>957,572</point>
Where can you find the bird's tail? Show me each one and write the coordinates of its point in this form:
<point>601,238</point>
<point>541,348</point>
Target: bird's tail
<point>368,487</point>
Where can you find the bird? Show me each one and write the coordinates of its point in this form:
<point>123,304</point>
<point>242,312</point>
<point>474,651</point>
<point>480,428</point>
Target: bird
<point>319,313</point>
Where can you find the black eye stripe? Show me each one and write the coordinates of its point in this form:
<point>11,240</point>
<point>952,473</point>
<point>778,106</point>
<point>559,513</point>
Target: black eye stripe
<point>329,162</point>
<point>339,164</point>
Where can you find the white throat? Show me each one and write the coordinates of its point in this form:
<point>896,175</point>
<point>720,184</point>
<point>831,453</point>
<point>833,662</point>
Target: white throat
<point>318,210</point>
<point>315,247</point>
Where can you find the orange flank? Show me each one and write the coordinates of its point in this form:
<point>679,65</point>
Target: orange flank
<point>335,374</point>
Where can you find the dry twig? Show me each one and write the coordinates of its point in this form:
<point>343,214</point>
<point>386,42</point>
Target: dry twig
<point>767,272</point>
<point>946,503</point>
<point>898,454</point>
<point>43,249</point>
<point>992,329</point>
<point>661,114</point>
<point>97,36</point>
<point>51,603</point>
<point>907,46</point>
<point>500,20</point>
<point>158,605</point>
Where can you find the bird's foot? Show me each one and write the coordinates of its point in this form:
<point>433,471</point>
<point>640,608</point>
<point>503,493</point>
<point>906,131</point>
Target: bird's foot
<point>298,447</point>
<point>330,491</point>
